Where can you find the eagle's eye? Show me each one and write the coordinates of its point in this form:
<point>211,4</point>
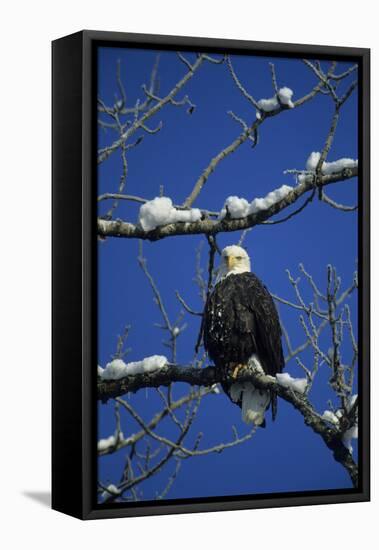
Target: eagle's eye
<point>238,257</point>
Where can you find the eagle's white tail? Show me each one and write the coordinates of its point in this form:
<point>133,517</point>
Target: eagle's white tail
<point>254,401</point>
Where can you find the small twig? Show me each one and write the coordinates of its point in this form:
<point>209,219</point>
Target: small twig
<point>186,306</point>
<point>237,82</point>
<point>344,74</point>
<point>103,155</point>
<point>185,61</point>
<point>273,76</point>
<point>308,200</point>
<point>143,264</point>
<point>337,205</point>
<point>120,85</point>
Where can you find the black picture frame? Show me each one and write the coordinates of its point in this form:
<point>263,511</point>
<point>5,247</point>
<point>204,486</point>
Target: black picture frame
<point>74,273</point>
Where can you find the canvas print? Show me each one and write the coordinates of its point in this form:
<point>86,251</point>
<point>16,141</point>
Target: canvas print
<point>228,210</point>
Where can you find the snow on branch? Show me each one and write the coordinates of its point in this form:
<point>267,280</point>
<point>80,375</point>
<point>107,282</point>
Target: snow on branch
<point>266,108</point>
<point>160,211</point>
<point>237,207</point>
<point>296,384</point>
<point>337,418</point>
<point>351,433</point>
<point>283,97</point>
<point>117,369</point>
<point>327,168</point>
<point>120,228</point>
<point>110,491</point>
<point>109,442</point>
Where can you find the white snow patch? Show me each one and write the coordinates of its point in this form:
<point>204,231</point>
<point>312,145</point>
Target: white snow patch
<point>104,444</point>
<point>114,370</point>
<point>312,161</point>
<point>111,491</point>
<point>160,211</point>
<point>270,199</point>
<point>268,105</point>
<point>100,370</point>
<point>117,369</point>
<point>329,416</point>
<point>352,400</point>
<point>329,167</point>
<point>296,384</point>
<point>285,96</point>
<point>351,433</point>
<point>240,208</point>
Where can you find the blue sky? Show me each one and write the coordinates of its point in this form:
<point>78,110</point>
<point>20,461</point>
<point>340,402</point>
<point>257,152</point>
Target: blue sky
<point>286,456</point>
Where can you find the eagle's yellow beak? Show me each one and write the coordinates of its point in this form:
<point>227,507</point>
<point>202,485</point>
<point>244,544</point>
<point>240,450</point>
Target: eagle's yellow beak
<point>231,261</point>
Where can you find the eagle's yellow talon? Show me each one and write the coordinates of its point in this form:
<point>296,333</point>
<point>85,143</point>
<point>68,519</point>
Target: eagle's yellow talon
<point>236,370</point>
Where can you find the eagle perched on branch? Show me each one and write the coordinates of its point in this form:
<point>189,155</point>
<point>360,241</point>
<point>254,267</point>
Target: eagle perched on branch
<point>241,330</point>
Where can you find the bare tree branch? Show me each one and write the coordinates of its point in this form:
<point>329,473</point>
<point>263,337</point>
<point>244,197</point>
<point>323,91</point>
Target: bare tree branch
<point>139,122</point>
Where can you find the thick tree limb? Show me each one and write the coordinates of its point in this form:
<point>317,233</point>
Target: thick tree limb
<point>119,228</point>
<point>107,389</point>
<point>210,375</point>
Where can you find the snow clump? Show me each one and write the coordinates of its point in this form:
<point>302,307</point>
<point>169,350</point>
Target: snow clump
<point>333,418</point>
<point>298,385</point>
<point>112,490</point>
<point>327,167</point>
<point>117,369</point>
<point>240,207</point>
<point>161,211</point>
<point>284,97</point>
<point>109,442</point>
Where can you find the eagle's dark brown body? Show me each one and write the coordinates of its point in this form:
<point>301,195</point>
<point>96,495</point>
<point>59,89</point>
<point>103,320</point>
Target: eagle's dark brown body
<point>240,319</point>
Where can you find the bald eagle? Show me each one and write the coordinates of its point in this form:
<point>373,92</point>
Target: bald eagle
<point>241,330</point>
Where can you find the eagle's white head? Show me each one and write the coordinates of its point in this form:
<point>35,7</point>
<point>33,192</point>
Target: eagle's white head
<point>234,260</point>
